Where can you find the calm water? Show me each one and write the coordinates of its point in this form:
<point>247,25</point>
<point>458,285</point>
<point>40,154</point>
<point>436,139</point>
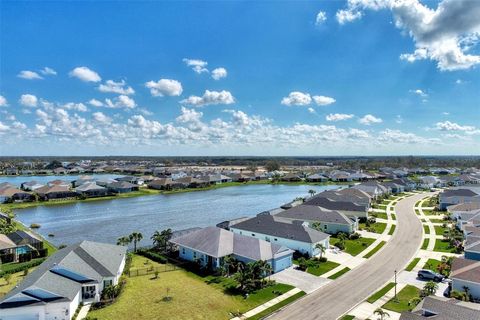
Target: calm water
<point>106,221</point>
<point>18,180</point>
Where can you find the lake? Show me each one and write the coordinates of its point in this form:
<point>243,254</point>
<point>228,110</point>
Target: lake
<point>107,220</point>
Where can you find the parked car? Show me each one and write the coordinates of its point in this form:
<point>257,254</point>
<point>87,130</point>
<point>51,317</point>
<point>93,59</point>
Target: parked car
<point>430,275</point>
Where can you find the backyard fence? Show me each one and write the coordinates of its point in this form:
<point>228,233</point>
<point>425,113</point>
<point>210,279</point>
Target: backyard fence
<point>135,272</point>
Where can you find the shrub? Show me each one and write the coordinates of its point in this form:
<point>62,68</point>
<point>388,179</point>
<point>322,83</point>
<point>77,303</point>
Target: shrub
<point>354,236</point>
<point>23,266</point>
<point>340,245</point>
<point>323,259</point>
<point>34,226</point>
<point>153,256</point>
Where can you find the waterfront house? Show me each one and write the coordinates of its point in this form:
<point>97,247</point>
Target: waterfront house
<point>30,185</point>
<point>60,170</point>
<point>440,308</point>
<point>291,234</point>
<point>55,192</point>
<point>163,184</point>
<point>316,177</point>
<point>466,273</point>
<point>340,176</point>
<point>82,180</point>
<point>8,249</point>
<point>59,182</point>
<point>11,171</point>
<point>458,195</point>
<point>348,208</point>
<point>72,276</point>
<point>330,221</point>
<point>122,187</point>
<point>91,189</point>
<point>191,182</point>
<point>291,177</point>
<point>26,238</point>
<point>209,246</point>
<point>131,179</point>
<point>15,195</point>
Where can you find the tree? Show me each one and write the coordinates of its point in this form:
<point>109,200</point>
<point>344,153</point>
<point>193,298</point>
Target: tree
<point>382,315</point>
<point>5,227</point>
<point>320,248</point>
<point>111,292</point>
<point>161,239</point>
<point>302,264</point>
<point>272,165</point>
<point>430,288</point>
<point>123,241</point>
<point>312,192</point>
<point>230,264</point>
<point>414,302</point>
<point>135,237</point>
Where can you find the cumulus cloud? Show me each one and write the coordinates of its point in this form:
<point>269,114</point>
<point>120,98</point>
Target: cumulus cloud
<point>420,93</point>
<point>452,126</point>
<point>28,100</point>
<point>85,74</point>
<point>338,116</point>
<point>95,103</point>
<point>46,71</point>
<point>75,106</point>
<point>29,75</point>
<point>3,101</point>
<point>297,98</point>
<point>116,87</point>
<point>311,110</point>
<point>197,65</point>
<point>210,98</point>
<point>120,102</point>
<point>323,100</point>
<point>321,18</point>
<point>164,87</point>
<point>219,73</point>
<point>444,35</point>
<point>101,117</point>
<point>369,119</point>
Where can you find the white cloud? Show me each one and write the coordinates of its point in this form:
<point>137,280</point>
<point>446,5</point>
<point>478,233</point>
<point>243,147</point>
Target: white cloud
<point>85,74</point>
<point>46,71</point>
<point>3,101</point>
<point>28,100</point>
<point>398,119</point>
<point>75,106</point>
<point>338,116</point>
<point>120,102</point>
<point>95,103</point>
<point>311,110</point>
<point>420,93</point>
<point>369,119</point>
<point>323,100</point>
<point>3,128</point>
<point>452,126</point>
<point>197,65</point>
<point>219,73</point>
<point>446,113</point>
<point>210,98</point>
<point>297,98</point>
<point>101,117</point>
<point>29,75</point>
<point>116,87</point>
<point>321,18</point>
<point>164,87</point>
<point>444,35</point>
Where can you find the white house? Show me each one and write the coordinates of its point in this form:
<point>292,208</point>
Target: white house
<point>466,274</point>
<point>73,275</point>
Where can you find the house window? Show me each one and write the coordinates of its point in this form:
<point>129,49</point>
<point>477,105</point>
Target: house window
<point>183,250</point>
<point>325,227</point>
<point>275,239</point>
<point>253,234</point>
<point>107,283</point>
<point>194,255</point>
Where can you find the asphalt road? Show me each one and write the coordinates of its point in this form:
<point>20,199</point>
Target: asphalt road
<point>341,295</point>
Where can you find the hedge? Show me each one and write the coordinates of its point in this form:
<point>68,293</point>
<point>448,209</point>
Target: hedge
<point>22,266</point>
<point>152,256</point>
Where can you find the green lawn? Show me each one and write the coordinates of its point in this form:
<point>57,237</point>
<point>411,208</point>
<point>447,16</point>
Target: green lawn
<point>392,229</point>
<point>323,267</point>
<point>347,317</point>
<point>354,247</point>
<point>412,264</point>
<point>404,296</point>
<point>6,267</point>
<point>15,279</point>
<point>417,212</point>
<point>381,215</point>
<point>394,217</point>
<point>432,264</point>
<point>429,212</point>
<point>380,293</point>
<point>193,297</point>
<point>436,220</point>
<point>443,246</point>
<point>426,229</point>
<point>339,273</point>
<point>276,307</point>
<point>377,227</point>
<point>440,230</point>
<point>425,244</point>
<point>374,250</point>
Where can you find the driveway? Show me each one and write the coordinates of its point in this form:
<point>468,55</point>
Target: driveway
<point>411,278</point>
<point>302,280</point>
<point>339,296</point>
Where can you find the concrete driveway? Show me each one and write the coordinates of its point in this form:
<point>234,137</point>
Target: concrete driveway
<point>302,280</point>
<point>411,278</point>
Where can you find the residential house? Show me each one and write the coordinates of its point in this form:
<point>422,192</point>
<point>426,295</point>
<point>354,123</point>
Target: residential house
<point>472,246</point>
<point>291,234</point>
<point>30,185</point>
<point>340,176</point>
<point>15,195</point>
<point>82,180</point>
<point>373,188</point>
<point>465,273</point>
<point>330,221</point>
<point>348,208</point>
<point>55,192</point>
<point>91,189</point>
<point>316,177</point>
<point>192,182</point>
<point>458,195</point>
<point>122,187</point>
<point>463,213</point>
<point>291,177</point>
<point>72,276</point>
<point>11,171</point>
<point>58,182</point>
<point>60,170</point>
<point>439,308</point>
<point>209,246</point>
<point>26,238</point>
<point>428,182</point>
<point>131,179</point>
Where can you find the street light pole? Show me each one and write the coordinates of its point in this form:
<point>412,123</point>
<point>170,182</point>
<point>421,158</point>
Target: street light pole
<point>395,285</point>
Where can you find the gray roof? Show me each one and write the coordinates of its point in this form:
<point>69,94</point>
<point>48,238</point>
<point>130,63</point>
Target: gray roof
<point>458,192</point>
<point>465,269</point>
<point>467,206</point>
<point>282,228</point>
<point>89,186</point>
<point>217,243</point>
<point>335,205</point>
<point>440,308</point>
<point>121,185</point>
<point>92,260</point>
<point>314,213</point>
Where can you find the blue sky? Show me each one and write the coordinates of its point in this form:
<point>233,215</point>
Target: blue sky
<point>351,77</point>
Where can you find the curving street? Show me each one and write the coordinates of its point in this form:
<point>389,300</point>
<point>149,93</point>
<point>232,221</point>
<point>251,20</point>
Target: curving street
<point>341,295</point>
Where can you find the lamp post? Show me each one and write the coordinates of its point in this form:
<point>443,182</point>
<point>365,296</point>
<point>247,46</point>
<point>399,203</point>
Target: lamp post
<point>395,285</point>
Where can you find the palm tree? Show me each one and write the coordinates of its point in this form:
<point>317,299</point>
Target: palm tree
<point>312,192</point>
<point>413,302</point>
<point>381,314</point>
<point>230,263</point>
<point>430,287</point>
<point>135,237</point>
<point>123,241</point>
<point>160,239</point>
<point>320,248</point>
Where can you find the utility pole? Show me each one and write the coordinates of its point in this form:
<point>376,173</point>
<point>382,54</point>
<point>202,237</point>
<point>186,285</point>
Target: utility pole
<point>395,285</point>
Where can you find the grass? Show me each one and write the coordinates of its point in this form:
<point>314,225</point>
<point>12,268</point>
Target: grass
<point>381,215</point>
<point>377,295</point>
<point>392,229</point>
<point>426,229</point>
<point>354,247</point>
<point>193,296</point>
<point>425,244</point>
<point>347,317</point>
<point>16,278</point>
<point>429,212</point>
<point>433,220</point>
<point>277,306</point>
<point>432,264</point>
<point>339,273</point>
<point>443,246</point>
<point>412,264</point>
<point>417,212</point>
<point>394,217</point>
<point>323,267</point>
<point>6,267</point>
<point>375,250</point>
<point>377,227</point>
<point>440,230</point>
<point>404,296</point>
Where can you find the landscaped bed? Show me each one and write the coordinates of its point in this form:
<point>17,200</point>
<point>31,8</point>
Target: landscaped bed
<point>339,273</point>
<point>432,264</point>
<point>392,229</point>
<point>354,247</point>
<point>322,267</point>
<point>377,227</point>
<point>412,264</point>
<point>193,296</point>
<point>380,293</point>
<point>440,230</point>
<point>374,250</point>
<point>403,297</point>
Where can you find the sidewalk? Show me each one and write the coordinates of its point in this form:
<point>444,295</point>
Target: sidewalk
<point>83,312</point>
<point>365,310</point>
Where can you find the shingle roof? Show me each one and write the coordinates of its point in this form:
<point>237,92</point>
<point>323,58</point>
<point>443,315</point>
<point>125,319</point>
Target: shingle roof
<point>6,242</point>
<point>458,192</point>
<point>465,269</point>
<point>335,205</point>
<point>314,213</point>
<point>439,308</point>
<point>282,228</point>
<point>466,206</point>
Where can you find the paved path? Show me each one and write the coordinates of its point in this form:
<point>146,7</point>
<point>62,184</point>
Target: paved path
<point>303,280</point>
<point>341,295</point>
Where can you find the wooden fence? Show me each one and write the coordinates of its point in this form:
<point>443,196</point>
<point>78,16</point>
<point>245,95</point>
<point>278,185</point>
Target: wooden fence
<point>135,272</point>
